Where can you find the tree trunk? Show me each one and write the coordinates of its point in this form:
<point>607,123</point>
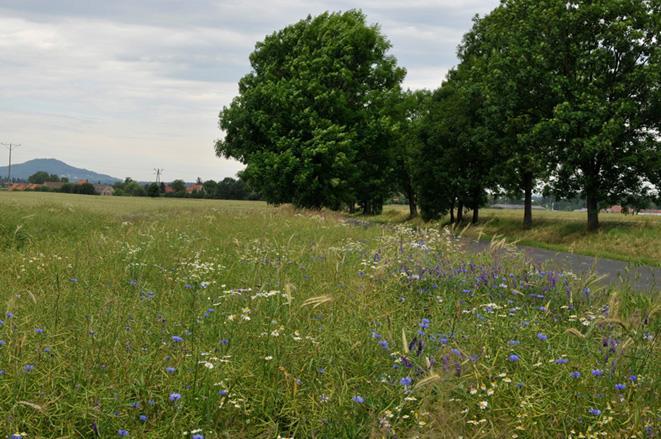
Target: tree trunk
<point>527,202</point>
<point>476,214</point>
<point>413,207</point>
<point>460,212</point>
<point>593,210</point>
<point>452,212</point>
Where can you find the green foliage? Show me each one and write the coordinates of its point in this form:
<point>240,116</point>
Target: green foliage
<point>41,177</point>
<point>129,187</point>
<point>607,124</point>
<point>457,153</point>
<point>411,108</point>
<point>311,121</point>
<point>179,186</point>
<point>153,190</point>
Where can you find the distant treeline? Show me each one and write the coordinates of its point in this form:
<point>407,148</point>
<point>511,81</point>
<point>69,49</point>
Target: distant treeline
<point>226,189</point>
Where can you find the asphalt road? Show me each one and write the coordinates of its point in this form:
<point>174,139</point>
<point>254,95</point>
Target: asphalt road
<point>642,278</point>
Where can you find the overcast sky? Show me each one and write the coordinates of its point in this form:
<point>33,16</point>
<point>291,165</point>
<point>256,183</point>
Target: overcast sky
<point>124,86</point>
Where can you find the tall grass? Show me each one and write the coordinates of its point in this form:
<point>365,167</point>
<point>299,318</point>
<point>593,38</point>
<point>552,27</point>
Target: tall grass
<point>223,319</point>
<point>631,238</point>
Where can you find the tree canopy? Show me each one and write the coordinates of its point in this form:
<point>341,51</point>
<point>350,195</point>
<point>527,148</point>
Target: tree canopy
<point>311,121</point>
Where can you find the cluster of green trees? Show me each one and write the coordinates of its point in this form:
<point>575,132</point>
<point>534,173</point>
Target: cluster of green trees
<point>553,96</point>
<point>226,189</point>
<point>40,177</point>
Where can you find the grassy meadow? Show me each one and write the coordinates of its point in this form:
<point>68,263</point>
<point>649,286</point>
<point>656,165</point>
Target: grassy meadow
<point>211,319</point>
<point>632,238</point>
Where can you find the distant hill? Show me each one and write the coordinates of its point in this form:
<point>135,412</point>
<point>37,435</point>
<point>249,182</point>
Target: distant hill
<point>57,167</point>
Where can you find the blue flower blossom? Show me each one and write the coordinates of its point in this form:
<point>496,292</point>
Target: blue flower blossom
<point>122,432</point>
<point>170,369</point>
<point>143,418</point>
<point>358,399</point>
<point>177,339</point>
<point>620,386</point>
<point>174,396</point>
<point>541,336</point>
<point>406,381</point>
<point>575,374</point>
<point>597,372</point>
<point>594,412</point>
<point>513,358</point>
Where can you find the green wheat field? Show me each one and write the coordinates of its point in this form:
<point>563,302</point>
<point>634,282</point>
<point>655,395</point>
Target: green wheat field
<point>214,319</point>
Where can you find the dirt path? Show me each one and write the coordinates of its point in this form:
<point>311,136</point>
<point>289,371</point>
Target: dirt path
<point>642,278</point>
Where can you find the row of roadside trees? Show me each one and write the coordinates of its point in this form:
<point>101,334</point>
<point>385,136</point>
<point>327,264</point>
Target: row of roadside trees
<point>553,96</point>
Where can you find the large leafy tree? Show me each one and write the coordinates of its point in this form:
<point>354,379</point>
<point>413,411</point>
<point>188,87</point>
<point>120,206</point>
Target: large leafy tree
<point>412,109</point>
<point>457,153</point>
<point>311,120</point>
<point>512,56</point>
<point>607,125</point>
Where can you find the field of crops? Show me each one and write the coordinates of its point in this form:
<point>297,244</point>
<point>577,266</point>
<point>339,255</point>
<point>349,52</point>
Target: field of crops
<point>204,319</point>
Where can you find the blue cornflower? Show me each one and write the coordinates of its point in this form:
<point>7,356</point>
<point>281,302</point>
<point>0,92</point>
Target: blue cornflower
<point>620,386</point>
<point>562,361</point>
<point>406,381</point>
<point>597,372</point>
<point>135,405</point>
<point>542,336</point>
<point>223,392</point>
<point>424,324</point>
<point>16,436</point>
<point>122,432</point>
<point>2,342</point>
<point>224,342</point>
<point>383,344</point>
<point>174,396</point>
<point>513,358</point>
<point>170,369</point>
<point>376,335</point>
<point>467,291</point>
<point>594,412</point>
<point>10,314</point>
<point>575,374</point>
<point>39,331</point>
<point>177,339</point>
<point>358,399</point>
<point>633,378</point>
<point>514,342</point>
<point>197,436</point>
<point>28,368</point>
<point>143,418</point>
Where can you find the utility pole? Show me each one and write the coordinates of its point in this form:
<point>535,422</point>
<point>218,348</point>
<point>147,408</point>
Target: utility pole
<point>158,172</point>
<point>10,147</point>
